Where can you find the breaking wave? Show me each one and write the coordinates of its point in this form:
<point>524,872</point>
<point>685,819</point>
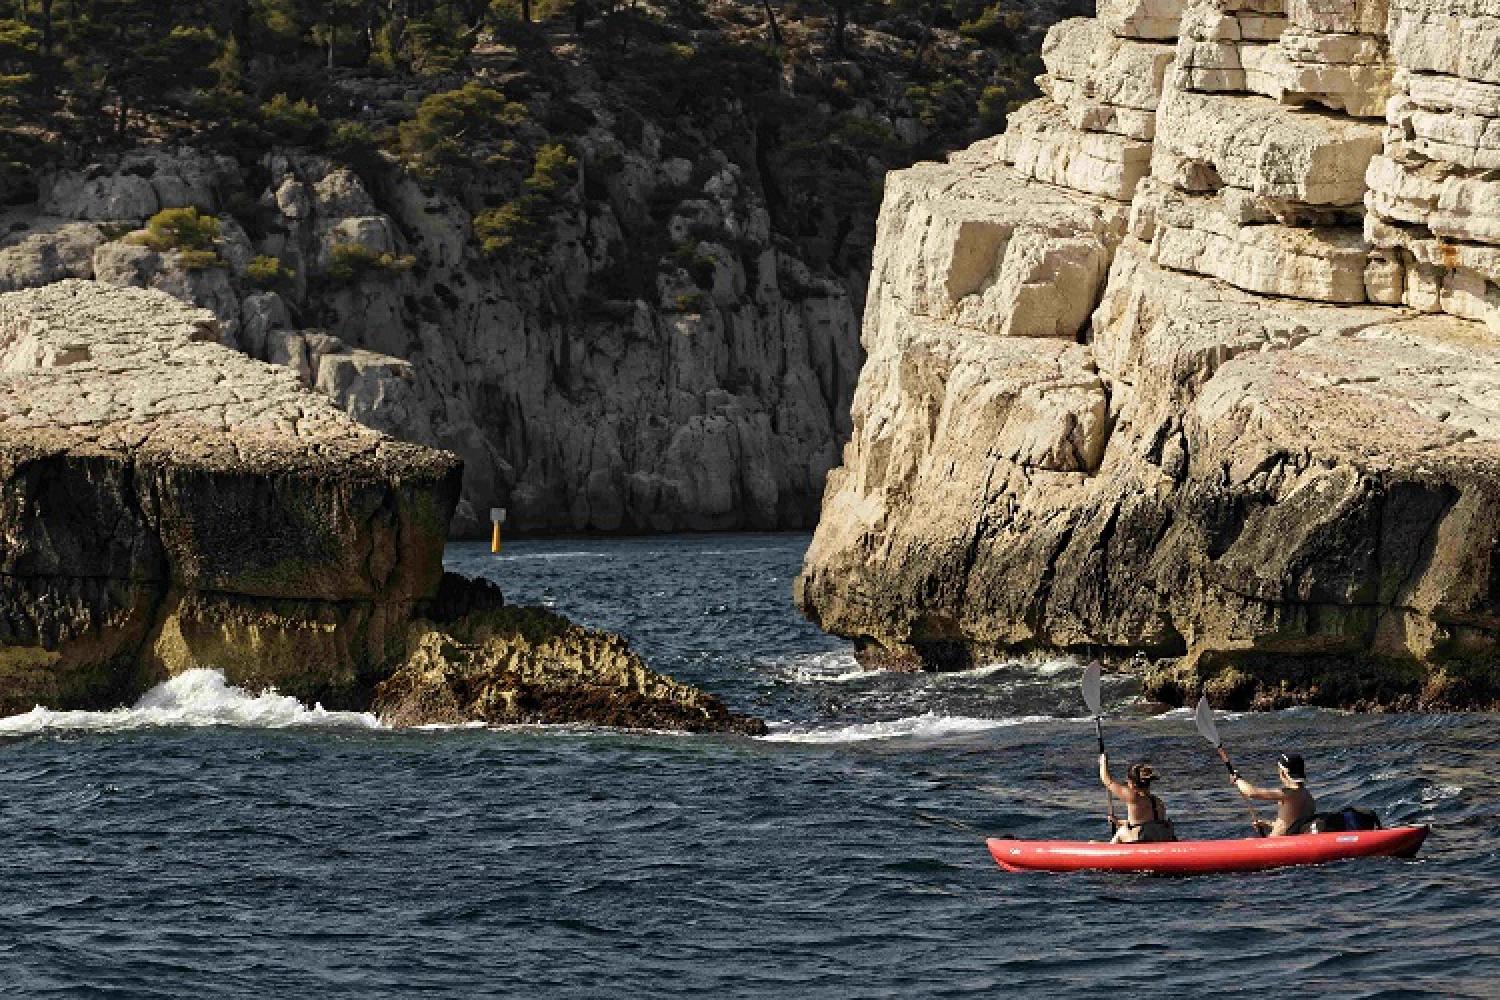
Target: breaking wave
<point>928,725</point>
<point>837,666</point>
<point>194,698</point>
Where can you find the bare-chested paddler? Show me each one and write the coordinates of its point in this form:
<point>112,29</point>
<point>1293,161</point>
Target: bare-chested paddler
<point>1145,815</point>
<point>1294,803</point>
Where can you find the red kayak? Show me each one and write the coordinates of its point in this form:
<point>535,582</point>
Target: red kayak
<point>1200,857</point>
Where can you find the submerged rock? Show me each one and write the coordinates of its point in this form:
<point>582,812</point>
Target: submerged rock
<point>1223,388</point>
<point>529,665</point>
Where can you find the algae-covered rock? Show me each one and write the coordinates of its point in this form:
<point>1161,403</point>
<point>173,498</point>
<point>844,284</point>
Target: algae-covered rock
<point>528,665</point>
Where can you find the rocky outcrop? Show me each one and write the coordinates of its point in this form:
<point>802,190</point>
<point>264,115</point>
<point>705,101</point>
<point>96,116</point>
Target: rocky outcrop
<point>167,503</point>
<point>529,666</point>
<point>1259,436</point>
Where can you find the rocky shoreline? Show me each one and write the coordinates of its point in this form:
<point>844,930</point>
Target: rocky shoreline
<point>167,503</point>
<point>1198,360</point>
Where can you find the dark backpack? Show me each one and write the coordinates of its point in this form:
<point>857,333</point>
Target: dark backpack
<point>1343,821</point>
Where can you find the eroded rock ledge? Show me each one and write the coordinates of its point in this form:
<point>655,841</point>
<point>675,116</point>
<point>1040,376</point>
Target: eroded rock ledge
<point>168,503</point>
<point>1198,361</point>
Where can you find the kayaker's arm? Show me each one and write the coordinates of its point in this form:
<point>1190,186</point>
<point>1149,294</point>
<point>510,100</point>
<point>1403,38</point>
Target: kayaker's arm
<point>1249,791</point>
<point>1119,790</point>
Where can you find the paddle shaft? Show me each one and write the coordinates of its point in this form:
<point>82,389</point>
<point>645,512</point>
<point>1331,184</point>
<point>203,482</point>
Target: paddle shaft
<point>1109,796</point>
<point>1254,816</point>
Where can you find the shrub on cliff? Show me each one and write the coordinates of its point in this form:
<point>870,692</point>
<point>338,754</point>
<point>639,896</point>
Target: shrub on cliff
<point>193,235</point>
<point>553,170</point>
<point>269,273</point>
<point>294,122</point>
<point>520,226</point>
<point>350,262</point>
<point>994,25</point>
<point>514,226</point>
<point>452,127</point>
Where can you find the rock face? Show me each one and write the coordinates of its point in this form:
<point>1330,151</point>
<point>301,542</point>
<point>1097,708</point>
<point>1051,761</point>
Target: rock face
<point>167,503</point>
<point>527,665</point>
<point>1201,360</point>
<point>715,399</point>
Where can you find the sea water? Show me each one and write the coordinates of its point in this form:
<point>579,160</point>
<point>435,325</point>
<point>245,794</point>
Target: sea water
<point>212,843</point>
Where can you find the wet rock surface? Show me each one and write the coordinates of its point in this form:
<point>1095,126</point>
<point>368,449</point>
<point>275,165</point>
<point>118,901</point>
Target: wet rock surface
<point>1267,435</point>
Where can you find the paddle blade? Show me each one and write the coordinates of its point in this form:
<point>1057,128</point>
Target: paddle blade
<point>1091,688</point>
<point>1203,718</point>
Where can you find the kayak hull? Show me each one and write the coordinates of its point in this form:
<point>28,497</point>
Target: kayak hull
<point>1201,857</point>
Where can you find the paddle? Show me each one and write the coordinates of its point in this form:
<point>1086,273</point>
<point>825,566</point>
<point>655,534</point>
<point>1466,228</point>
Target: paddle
<point>1091,699</point>
<point>1203,718</point>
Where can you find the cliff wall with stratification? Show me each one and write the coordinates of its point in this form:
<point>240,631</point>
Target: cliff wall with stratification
<point>1201,360</point>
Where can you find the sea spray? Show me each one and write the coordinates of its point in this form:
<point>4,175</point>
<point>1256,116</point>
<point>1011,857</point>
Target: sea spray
<point>194,698</point>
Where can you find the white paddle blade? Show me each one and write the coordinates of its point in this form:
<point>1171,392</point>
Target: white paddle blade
<point>1091,688</point>
<point>1203,717</point>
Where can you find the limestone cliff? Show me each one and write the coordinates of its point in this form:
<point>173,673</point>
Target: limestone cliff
<point>670,342</point>
<point>677,408</point>
<point>166,503</point>
<point>1200,359</point>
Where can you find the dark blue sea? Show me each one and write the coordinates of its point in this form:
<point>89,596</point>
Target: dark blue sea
<point>207,843</point>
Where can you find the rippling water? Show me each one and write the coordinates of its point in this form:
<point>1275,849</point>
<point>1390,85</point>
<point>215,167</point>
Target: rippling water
<point>206,843</point>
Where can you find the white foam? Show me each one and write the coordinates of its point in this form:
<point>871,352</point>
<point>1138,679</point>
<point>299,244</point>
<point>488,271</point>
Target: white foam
<point>929,724</point>
<point>831,667</point>
<point>1049,668</point>
<point>980,671</point>
<point>193,698</point>
<point>1441,793</point>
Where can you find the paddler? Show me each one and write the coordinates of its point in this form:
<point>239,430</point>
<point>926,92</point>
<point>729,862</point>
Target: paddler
<point>1145,815</point>
<point>1295,807</point>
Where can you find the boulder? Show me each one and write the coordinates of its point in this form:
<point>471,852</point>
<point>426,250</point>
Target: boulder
<point>53,254</point>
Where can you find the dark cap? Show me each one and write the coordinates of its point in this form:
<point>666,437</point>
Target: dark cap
<point>1292,762</point>
<point>1142,775</point>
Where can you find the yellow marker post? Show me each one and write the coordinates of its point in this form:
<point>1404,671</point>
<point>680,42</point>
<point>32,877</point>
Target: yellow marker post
<point>497,518</point>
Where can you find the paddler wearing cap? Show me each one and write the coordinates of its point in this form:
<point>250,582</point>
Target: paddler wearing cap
<point>1295,807</point>
<point>1145,815</point>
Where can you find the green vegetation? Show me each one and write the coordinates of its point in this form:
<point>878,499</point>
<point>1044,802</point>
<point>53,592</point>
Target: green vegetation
<point>479,100</point>
<point>182,229</point>
<point>457,130</point>
<point>292,122</point>
<point>269,273</point>
<point>351,262</point>
<point>520,226</point>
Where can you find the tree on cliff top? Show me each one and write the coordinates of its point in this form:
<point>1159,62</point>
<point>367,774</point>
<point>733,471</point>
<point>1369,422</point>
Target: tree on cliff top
<point>140,53</point>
